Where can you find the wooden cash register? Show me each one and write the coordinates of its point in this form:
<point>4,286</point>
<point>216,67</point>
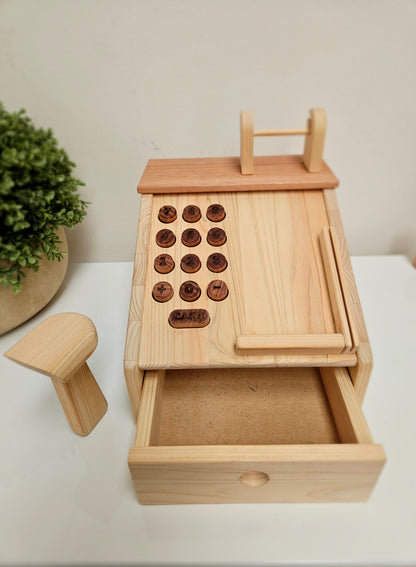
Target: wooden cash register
<point>247,357</point>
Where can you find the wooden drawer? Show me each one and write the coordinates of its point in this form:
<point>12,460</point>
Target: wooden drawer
<point>252,435</point>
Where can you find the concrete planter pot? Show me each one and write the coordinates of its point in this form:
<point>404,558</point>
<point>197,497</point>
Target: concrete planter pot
<point>37,291</point>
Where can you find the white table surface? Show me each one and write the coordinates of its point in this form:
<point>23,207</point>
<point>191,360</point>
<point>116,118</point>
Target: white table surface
<point>66,499</point>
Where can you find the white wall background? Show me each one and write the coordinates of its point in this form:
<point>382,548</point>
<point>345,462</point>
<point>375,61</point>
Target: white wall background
<point>124,81</point>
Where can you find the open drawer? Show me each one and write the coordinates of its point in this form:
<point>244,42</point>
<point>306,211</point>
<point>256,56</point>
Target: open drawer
<point>252,435</point>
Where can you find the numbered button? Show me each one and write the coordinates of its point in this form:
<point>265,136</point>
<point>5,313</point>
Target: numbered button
<point>216,237</point>
<point>164,263</point>
<point>191,237</point>
<point>167,214</point>
<point>191,213</point>
<point>190,263</point>
<point>190,291</point>
<point>162,292</point>
<point>165,238</point>
<point>217,262</point>
<point>216,213</point>
<point>217,290</point>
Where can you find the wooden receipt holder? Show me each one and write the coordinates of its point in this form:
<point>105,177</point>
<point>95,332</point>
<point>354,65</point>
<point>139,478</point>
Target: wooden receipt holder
<point>314,140</point>
<point>59,347</point>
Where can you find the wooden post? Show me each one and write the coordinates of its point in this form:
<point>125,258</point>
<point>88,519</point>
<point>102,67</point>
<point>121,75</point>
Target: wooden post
<point>314,141</point>
<point>246,142</point>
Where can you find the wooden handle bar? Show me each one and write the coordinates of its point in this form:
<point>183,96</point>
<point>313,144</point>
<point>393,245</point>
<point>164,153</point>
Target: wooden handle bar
<point>290,344</point>
<point>281,132</point>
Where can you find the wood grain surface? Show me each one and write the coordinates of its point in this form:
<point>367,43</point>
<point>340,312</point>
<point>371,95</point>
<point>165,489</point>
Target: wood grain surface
<point>275,277</point>
<point>361,372</point>
<point>271,173</point>
<point>216,427</point>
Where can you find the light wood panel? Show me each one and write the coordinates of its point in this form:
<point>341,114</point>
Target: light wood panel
<point>315,140</point>
<point>82,400</point>
<point>360,374</point>
<point>297,473</point>
<point>275,276</point>
<point>344,289</point>
<point>334,287</point>
<point>149,415</point>
<point>133,374</point>
<point>58,347</point>
<point>196,175</point>
<point>246,142</point>
<point>351,423</point>
<point>284,344</point>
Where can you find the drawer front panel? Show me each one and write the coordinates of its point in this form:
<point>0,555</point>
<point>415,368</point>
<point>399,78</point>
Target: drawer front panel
<point>219,474</point>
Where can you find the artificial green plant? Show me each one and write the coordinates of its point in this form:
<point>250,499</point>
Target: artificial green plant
<point>38,194</point>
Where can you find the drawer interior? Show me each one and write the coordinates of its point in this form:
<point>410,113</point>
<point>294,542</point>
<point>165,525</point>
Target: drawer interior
<point>252,435</point>
<point>245,407</point>
<point>251,406</point>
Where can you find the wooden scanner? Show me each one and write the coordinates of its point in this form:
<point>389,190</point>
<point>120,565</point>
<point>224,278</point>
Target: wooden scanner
<point>59,347</point>
<point>247,357</point>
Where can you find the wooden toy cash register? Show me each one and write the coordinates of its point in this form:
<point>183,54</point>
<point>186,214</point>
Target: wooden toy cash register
<point>247,357</point>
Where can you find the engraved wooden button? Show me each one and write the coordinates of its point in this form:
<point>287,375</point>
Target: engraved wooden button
<point>216,237</point>
<point>164,263</point>
<point>167,213</point>
<point>165,238</point>
<point>217,262</point>
<point>216,213</point>
<point>189,318</point>
<point>191,237</point>
<point>191,213</point>
<point>162,291</point>
<point>190,263</point>
<point>217,290</point>
<point>189,291</point>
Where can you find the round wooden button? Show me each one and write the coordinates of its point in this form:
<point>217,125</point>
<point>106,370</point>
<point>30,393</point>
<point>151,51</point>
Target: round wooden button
<point>191,213</point>
<point>167,213</point>
<point>164,263</point>
<point>191,237</point>
<point>190,263</point>
<point>165,238</point>
<point>162,291</point>
<point>217,262</point>
<point>217,290</point>
<point>216,237</point>
<point>189,291</point>
<point>216,213</point>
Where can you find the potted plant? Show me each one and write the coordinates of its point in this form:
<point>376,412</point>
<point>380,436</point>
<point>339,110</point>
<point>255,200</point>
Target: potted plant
<point>38,197</point>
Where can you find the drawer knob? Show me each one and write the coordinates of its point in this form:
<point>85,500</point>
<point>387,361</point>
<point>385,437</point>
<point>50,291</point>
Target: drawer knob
<point>254,478</point>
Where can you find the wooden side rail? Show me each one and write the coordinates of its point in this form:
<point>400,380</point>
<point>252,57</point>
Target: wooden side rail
<point>337,285</point>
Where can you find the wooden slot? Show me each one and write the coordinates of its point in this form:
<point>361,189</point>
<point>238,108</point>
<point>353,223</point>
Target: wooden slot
<point>344,286</point>
<point>334,288</point>
<point>252,435</point>
<point>290,344</point>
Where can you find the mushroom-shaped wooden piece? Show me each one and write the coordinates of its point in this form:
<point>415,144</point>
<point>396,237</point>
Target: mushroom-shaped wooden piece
<point>59,347</point>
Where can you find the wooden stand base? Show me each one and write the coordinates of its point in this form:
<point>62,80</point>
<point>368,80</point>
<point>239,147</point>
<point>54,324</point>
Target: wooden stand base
<point>82,400</point>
